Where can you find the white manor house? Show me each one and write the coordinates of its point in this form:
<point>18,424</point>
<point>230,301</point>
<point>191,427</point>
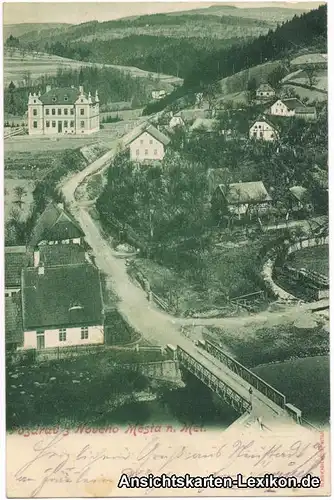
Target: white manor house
<point>62,111</point>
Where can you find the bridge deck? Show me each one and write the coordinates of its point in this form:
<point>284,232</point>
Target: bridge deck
<point>261,405</point>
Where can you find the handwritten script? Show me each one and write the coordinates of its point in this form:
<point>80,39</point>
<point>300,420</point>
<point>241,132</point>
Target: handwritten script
<point>59,460</point>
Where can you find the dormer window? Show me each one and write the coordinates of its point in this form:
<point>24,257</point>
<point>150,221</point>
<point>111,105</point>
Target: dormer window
<point>54,98</point>
<point>81,100</point>
<point>65,98</point>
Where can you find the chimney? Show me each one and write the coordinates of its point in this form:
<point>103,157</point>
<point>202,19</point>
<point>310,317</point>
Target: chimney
<point>40,269</point>
<point>48,88</point>
<point>81,89</point>
<point>36,257</point>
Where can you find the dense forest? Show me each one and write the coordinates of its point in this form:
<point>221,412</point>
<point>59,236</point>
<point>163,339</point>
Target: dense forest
<point>113,86</point>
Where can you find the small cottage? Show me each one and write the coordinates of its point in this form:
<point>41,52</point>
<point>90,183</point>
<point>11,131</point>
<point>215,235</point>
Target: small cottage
<point>306,113</point>
<point>265,91</point>
<point>56,226</point>
<point>242,199</point>
<point>263,129</point>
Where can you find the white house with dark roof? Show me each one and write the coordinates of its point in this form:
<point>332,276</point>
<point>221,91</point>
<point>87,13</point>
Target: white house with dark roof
<point>63,111</point>
<point>263,129</point>
<point>286,107</point>
<point>265,91</point>
<point>62,306</point>
<point>56,226</point>
<point>146,143</point>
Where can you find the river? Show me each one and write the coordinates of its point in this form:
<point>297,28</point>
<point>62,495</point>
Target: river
<point>304,381</point>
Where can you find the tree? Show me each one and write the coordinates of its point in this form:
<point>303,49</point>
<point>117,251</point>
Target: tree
<point>251,88</point>
<point>311,72</point>
<point>275,77</point>
<point>20,191</point>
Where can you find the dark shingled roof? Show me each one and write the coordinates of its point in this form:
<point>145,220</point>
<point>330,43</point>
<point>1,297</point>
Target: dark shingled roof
<point>62,297</point>
<point>245,192</point>
<point>13,320</point>
<point>62,254</point>
<point>66,95</point>
<point>55,224</point>
<point>292,103</point>
<point>15,259</point>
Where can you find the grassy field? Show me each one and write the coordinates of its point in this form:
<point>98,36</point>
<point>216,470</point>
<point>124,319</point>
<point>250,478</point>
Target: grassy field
<point>305,383</point>
<point>315,259</point>
<point>18,66</point>
<point>312,95</point>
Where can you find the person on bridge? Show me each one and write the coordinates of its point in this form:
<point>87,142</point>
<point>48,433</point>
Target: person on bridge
<point>250,396</point>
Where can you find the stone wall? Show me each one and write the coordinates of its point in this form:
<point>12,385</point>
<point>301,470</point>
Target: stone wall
<point>269,265</point>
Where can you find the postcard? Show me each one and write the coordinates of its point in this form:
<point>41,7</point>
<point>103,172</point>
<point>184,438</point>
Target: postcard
<point>166,249</point>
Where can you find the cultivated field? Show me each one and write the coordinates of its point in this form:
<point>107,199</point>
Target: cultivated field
<point>17,67</point>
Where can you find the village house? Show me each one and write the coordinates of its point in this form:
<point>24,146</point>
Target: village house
<point>187,117</point>
<point>299,199</point>
<point>306,113</point>
<point>16,257</point>
<point>158,94</point>
<point>146,143</point>
<point>55,226</point>
<point>61,306</point>
<point>265,91</point>
<point>263,129</point>
<point>286,107</point>
<point>242,199</point>
<point>13,322</point>
<point>63,111</point>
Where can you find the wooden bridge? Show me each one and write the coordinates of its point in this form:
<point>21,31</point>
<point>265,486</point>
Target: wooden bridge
<point>235,384</point>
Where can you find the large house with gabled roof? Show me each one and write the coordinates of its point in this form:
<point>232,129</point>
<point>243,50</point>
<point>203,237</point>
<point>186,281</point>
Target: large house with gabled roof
<point>286,107</point>
<point>63,111</point>
<point>62,306</point>
<point>146,143</point>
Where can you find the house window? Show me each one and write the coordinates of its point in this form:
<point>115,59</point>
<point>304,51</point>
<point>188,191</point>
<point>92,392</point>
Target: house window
<point>34,112</point>
<point>155,152</point>
<point>34,101</point>
<point>72,124</point>
<point>84,333</point>
<point>35,124</point>
<point>47,124</point>
<point>65,123</point>
<point>7,294</point>
<point>146,152</point>
<point>72,111</point>
<point>65,98</point>
<point>137,152</point>
<point>82,124</point>
<point>53,124</point>
<point>62,334</point>
<point>141,141</point>
<point>151,141</point>
<point>261,134</point>
<point>59,111</point>
<point>65,111</point>
<point>82,111</point>
<point>47,111</point>
<point>261,93</point>
<point>54,99</point>
<point>272,136</point>
<point>53,111</point>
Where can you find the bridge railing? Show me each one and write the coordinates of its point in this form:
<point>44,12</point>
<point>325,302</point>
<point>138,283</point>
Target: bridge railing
<point>222,389</point>
<point>243,372</point>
